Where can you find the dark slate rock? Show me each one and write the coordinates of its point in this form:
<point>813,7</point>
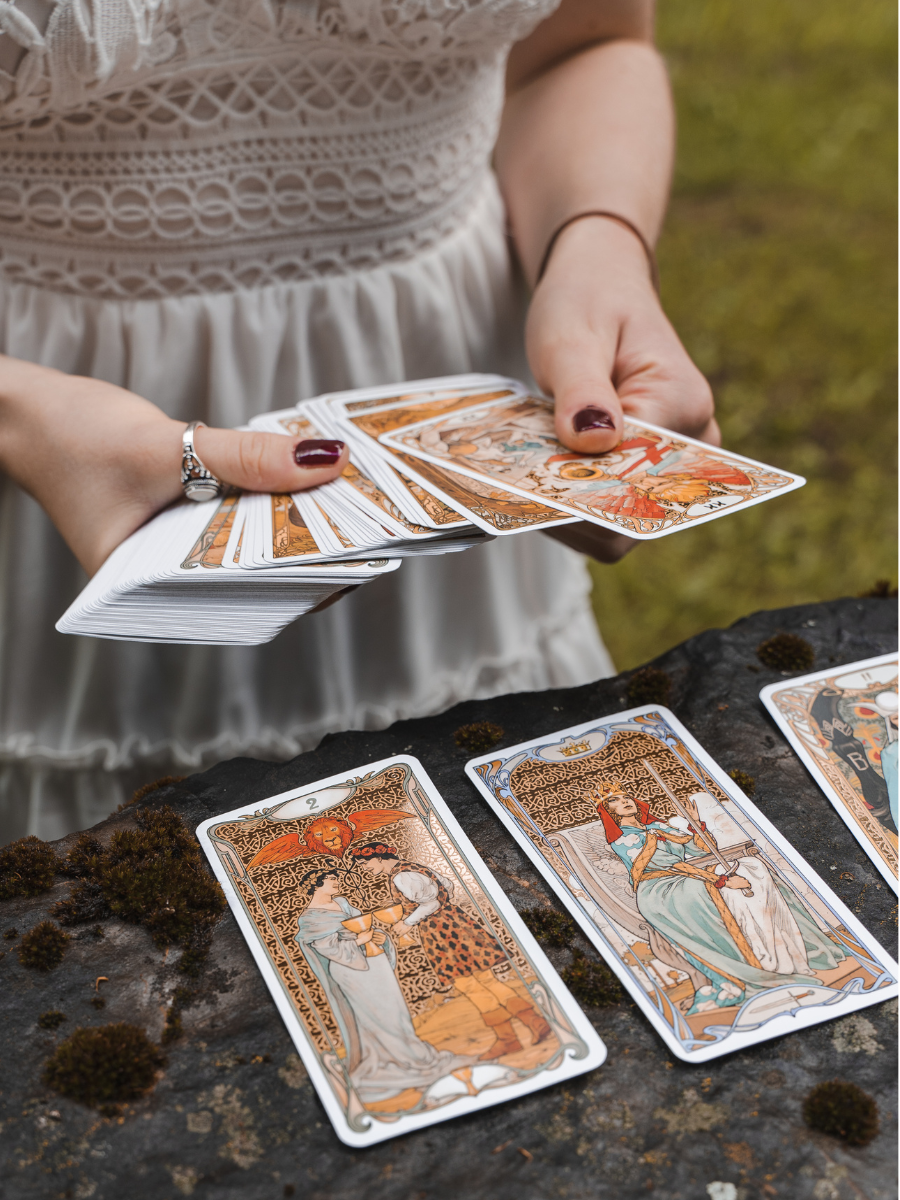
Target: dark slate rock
<point>235,1116</point>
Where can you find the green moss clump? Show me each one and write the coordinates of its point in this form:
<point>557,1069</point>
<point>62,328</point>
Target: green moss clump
<point>881,589</point>
<point>9,934</point>
<point>153,876</point>
<point>52,1019</point>
<point>745,782</point>
<point>592,982</point>
<point>172,1029</point>
<point>43,947</point>
<point>842,1110</point>
<point>550,927</point>
<point>650,685</point>
<point>478,737</point>
<point>27,868</point>
<point>149,788</point>
<point>105,1066</point>
<point>98,1002</point>
<point>786,652</point>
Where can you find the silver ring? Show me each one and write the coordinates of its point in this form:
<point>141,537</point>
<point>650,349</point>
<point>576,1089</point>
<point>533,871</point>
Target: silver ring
<point>197,481</point>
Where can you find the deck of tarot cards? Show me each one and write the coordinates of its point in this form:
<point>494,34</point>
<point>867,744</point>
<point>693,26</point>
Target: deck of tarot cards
<point>436,466</point>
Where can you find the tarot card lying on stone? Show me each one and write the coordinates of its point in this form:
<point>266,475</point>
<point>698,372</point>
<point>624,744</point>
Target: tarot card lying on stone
<point>412,990</point>
<point>719,930</point>
<point>843,724</point>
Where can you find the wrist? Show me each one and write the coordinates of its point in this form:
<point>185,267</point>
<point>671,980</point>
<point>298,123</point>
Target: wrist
<point>613,247</point>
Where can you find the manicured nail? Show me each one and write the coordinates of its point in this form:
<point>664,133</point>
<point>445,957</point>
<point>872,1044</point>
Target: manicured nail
<point>315,453</point>
<point>592,418</point>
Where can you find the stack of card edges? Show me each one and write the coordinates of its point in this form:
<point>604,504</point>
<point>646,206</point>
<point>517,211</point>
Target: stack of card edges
<point>435,466</point>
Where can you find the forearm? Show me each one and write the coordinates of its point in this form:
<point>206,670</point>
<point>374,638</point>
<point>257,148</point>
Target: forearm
<point>595,131</point>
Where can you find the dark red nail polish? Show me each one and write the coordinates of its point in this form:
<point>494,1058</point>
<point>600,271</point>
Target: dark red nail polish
<point>592,418</point>
<point>315,453</point>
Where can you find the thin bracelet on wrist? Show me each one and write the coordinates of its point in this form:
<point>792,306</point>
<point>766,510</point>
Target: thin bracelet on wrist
<point>610,216</point>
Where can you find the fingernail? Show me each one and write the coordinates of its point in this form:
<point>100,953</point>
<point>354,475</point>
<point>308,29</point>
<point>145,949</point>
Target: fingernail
<point>315,453</point>
<point>592,418</point>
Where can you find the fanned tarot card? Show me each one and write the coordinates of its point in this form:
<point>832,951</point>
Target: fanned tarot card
<point>493,509</point>
<point>653,483</point>
<point>720,931</point>
<point>843,725</point>
<point>412,990</point>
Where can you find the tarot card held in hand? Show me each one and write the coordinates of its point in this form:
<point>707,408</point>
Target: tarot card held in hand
<point>720,931</point>
<point>843,724</point>
<point>409,985</point>
<point>653,483</point>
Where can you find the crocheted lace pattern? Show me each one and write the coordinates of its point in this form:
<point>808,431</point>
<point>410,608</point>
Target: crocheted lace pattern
<point>151,148</point>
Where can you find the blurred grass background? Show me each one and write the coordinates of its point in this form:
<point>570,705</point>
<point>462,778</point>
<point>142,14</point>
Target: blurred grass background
<point>778,271</point>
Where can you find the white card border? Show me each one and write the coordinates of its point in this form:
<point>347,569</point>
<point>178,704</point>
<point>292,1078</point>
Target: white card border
<point>767,697</point>
<point>382,1131</point>
<point>391,441</point>
<point>777,1026</point>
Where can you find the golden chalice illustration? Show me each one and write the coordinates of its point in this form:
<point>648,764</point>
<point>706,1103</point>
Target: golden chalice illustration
<point>363,924</point>
<point>390,916</point>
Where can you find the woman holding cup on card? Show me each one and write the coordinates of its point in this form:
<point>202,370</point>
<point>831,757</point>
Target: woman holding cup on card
<point>383,1054</point>
<point>307,205</point>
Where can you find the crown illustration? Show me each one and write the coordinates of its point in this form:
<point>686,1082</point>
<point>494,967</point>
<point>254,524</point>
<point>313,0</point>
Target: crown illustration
<point>606,788</point>
<point>570,747</point>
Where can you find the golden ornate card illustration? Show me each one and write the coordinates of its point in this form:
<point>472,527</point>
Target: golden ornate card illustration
<point>411,988</point>
<point>720,931</point>
<point>843,725</point>
<point>651,484</point>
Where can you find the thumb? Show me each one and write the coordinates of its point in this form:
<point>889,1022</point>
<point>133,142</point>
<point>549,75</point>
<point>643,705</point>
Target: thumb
<point>588,413</point>
<point>269,462</point>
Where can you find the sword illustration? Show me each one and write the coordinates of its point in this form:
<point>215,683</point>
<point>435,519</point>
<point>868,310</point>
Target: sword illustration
<point>729,868</point>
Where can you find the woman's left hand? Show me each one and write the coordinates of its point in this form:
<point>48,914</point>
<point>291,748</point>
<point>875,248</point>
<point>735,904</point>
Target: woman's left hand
<point>599,342</point>
<point>690,807</point>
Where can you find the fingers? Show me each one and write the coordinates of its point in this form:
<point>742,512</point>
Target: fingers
<point>269,462</point>
<point>603,545</point>
<point>333,599</point>
<point>588,411</point>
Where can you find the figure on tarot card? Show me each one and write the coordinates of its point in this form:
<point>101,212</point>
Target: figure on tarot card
<point>385,1055</point>
<point>461,949</point>
<point>743,932</point>
<point>841,738</point>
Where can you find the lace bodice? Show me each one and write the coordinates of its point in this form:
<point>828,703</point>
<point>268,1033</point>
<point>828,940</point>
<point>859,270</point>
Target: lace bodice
<point>168,147</point>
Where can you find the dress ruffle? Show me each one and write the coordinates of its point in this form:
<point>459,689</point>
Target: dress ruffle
<point>82,721</point>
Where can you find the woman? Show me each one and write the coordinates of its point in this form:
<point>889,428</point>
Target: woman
<point>212,208</point>
<point>742,946</point>
<point>384,1055</point>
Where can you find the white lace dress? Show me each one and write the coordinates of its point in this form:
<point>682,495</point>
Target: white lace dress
<point>227,206</point>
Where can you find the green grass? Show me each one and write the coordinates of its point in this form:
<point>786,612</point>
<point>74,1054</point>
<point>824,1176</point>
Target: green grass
<point>778,267</point>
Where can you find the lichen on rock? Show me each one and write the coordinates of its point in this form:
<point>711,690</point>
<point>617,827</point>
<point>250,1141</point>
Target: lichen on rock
<point>842,1110</point>
<point>592,982</point>
<point>43,947</point>
<point>27,868</point>
<point>550,927</point>
<point>104,1067</point>
<point>479,737</point>
<point>786,652</point>
<point>154,876</point>
<point>649,685</point>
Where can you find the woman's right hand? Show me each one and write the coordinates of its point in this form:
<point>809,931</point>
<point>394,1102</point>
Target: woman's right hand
<point>378,936</point>
<point>101,461</point>
<point>737,882</point>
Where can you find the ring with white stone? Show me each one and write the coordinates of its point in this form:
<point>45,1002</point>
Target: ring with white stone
<point>197,481</point>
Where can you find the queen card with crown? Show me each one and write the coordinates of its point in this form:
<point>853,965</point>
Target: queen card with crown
<point>720,931</point>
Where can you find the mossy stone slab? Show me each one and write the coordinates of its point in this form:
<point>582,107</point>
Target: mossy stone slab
<point>233,1115</point>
